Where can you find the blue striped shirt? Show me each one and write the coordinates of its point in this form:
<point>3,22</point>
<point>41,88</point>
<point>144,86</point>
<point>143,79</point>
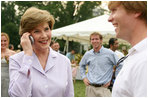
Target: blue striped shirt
<point>100,65</point>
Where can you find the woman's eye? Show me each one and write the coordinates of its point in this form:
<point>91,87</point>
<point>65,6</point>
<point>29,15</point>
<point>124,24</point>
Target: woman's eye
<point>46,29</point>
<point>36,31</point>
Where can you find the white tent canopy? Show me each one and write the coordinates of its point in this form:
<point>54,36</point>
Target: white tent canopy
<point>81,31</point>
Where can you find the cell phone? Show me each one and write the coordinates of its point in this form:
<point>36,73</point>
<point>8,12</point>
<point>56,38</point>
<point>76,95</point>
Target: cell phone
<point>31,39</point>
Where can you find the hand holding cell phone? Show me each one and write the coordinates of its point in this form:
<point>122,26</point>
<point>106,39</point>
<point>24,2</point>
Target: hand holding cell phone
<point>26,43</point>
<point>31,39</point>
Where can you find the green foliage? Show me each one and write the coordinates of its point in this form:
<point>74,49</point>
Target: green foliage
<point>86,10</point>
<point>106,45</point>
<point>9,22</point>
<point>74,45</point>
<point>62,11</point>
<point>12,31</point>
<point>8,13</point>
<point>78,58</point>
<point>124,48</point>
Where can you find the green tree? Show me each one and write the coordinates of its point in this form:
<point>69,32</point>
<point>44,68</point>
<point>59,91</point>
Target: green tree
<point>12,31</point>
<point>24,5</point>
<point>86,10</point>
<point>9,22</point>
<point>8,13</point>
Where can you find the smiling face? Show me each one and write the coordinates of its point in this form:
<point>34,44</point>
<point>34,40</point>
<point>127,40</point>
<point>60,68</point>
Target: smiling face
<point>122,21</point>
<point>115,46</point>
<point>4,42</point>
<point>42,37</point>
<point>96,41</point>
<point>56,46</point>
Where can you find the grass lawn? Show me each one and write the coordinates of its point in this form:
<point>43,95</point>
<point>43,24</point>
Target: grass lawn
<point>79,89</point>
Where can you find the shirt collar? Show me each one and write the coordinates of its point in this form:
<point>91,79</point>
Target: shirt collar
<point>52,53</point>
<point>99,50</point>
<point>50,62</point>
<point>139,47</point>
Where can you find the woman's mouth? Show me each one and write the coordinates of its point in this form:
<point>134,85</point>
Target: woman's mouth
<point>43,42</point>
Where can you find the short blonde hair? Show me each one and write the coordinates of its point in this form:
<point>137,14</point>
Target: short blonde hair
<point>6,35</point>
<point>131,7</point>
<point>33,17</point>
<point>97,33</point>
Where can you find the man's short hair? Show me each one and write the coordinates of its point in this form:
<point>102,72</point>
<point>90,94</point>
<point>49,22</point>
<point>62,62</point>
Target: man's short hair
<point>96,33</point>
<point>112,41</point>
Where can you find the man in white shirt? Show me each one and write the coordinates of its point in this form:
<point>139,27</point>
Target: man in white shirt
<point>113,45</point>
<point>130,21</point>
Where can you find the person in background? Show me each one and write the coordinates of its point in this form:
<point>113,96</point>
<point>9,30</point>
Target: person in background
<point>100,63</point>
<point>5,51</point>
<point>5,55</point>
<point>113,45</point>
<point>130,21</point>
<point>56,47</point>
<point>71,56</point>
<point>38,71</point>
<point>52,43</point>
<point>11,47</point>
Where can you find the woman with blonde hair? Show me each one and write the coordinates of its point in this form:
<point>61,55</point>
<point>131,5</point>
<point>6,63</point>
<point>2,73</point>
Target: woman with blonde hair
<point>5,51</point>
<point>39,71</point>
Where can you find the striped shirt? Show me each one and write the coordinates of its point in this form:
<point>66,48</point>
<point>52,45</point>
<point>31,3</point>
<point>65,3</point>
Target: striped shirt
<point>100,65</point>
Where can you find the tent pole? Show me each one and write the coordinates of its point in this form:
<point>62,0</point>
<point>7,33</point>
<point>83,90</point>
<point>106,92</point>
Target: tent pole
<point>67,43</point>
<point>81,49</point>
<point>64,48</point>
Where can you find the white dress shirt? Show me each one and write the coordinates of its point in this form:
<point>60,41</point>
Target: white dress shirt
<point>54,81</point>
<point>132,79</point>
<point>119,54</point>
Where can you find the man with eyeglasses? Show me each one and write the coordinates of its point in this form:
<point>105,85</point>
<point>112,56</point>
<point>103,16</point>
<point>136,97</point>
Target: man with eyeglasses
<point>113,45</point>
<point>100,63</point>
<point>130,21</point>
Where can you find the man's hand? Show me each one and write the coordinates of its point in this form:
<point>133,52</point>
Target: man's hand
<point>107,84</point>
<point>86,81</point>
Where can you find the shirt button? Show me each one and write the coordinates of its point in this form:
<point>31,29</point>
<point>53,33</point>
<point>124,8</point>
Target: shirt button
<point>46,86</point>
<point>45,76</point>
<point>30,61</point>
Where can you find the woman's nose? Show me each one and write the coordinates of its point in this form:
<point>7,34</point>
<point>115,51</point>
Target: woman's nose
<point>44,34</point>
